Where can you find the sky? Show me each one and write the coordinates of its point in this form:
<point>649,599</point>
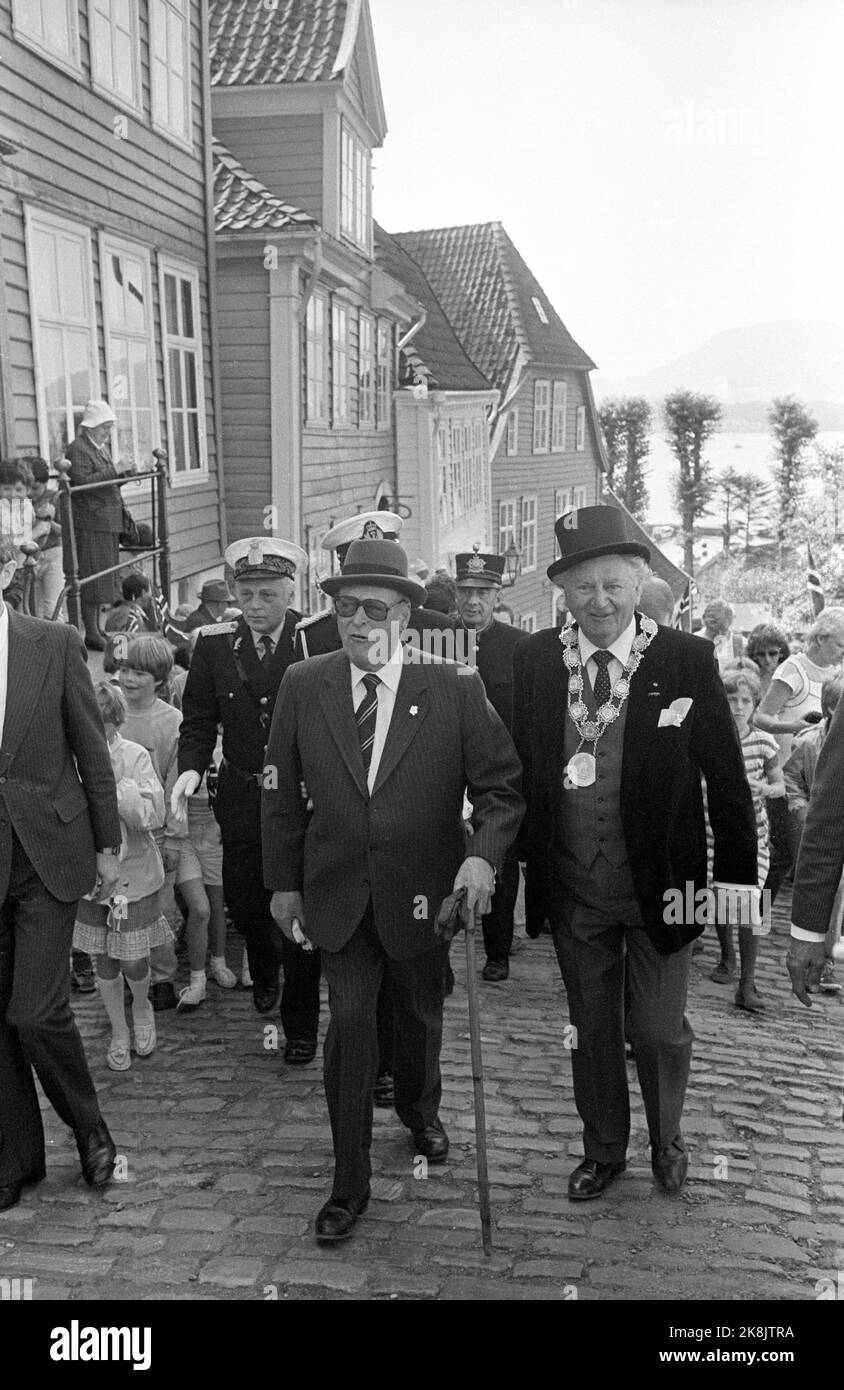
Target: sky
<point>667,168</point>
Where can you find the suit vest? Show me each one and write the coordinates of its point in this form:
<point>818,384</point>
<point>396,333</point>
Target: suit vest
<point>589,818</point>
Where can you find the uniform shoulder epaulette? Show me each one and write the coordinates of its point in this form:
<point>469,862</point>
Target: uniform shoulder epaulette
<point>214,629</point>
<point>309,622</point>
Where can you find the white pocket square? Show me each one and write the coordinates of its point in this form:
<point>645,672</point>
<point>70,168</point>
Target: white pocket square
<point>675,714</point>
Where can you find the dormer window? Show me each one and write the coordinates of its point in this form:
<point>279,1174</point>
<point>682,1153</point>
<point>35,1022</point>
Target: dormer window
<point>355,185</point>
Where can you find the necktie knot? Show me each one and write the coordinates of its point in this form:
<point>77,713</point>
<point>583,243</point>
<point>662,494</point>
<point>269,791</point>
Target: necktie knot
<point>602,658</point>
<point>371,681</point>
<point>267,645</point>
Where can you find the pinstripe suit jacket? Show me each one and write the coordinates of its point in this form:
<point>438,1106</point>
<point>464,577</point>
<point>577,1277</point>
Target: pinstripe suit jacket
<point>403,845</point>
<point>57,789</point>
<point>821,858</point>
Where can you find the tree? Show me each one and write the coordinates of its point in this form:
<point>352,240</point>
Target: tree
<point>728,485</point>
<point>792,427</point>
<point>828,467</point>
<point>626,425</point>
<point>753,496</point>
<point>690,419</point>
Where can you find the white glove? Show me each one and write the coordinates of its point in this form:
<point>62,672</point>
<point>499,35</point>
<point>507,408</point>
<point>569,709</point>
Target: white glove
<point>477,876</point>
<point>186,785</point>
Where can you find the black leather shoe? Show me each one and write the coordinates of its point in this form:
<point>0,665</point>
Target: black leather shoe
<point>94,644</point>
<point>10,1194</point>
<point>431,1142</point>
<point>97,1154</point>
<point>495,971</point>
<point>339,1216</point>
<point>298,1051</point>
<point>590,1178</point>
<point>384,1094</point>
<point>265,997</point>
<point>670,1166</point>
<point>163,996</point>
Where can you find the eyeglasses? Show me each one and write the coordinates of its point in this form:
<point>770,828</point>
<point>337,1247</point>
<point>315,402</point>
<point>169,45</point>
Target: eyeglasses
<point>346,606</point>
<point>773,651</point>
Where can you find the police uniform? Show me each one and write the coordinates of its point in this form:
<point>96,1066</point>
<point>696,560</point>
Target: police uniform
<point>230,685</point>
<point>494,647</point>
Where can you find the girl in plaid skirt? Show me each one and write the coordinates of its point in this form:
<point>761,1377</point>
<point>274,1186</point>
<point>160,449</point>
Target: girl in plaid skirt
<point>121,932</point>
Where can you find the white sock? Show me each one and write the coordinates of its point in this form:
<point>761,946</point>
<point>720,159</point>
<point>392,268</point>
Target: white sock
<point>197,977</point>
<point>218,962</point>
<point>111,993</point>
<point>141,1007</point>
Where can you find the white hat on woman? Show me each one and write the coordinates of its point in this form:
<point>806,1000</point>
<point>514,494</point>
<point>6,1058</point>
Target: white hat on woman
<point>98,413</point>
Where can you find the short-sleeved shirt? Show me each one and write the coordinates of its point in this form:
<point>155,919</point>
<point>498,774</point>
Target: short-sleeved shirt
<point>805,681</point>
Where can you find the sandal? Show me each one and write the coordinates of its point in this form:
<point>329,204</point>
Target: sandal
<point>118,1056</point>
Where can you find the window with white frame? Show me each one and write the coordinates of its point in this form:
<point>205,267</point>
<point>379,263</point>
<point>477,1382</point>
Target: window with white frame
<point>114,48</point>
<point>130,355</point>
<point>479,456</point>
<point>512,445</point>
<point>183,372</point>
<point>366,370</point>
<point>580,428</point>
<point>442,466</point>
<point>541,412</point>
<point>61,288</point>
<point>506,524</point>
<point>563,502</point>
<point>51,26</point>
<point>579,499</point>
<point>316,360</point>
<point>339,364</point>
<point>527,622</point>
<point>317,569</point>
<point>528,528</point>
<point>355,179</point>
<point>558,417</point>
<point>383,374</point>
<point>170,66</point>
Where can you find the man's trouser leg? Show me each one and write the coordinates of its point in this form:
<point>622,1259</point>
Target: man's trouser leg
<point>498,922</point>
<point>417,989</point>
<point>659,1031</point>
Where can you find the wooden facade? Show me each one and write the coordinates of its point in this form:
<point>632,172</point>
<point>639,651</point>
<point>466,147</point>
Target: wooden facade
<point>106,262</point>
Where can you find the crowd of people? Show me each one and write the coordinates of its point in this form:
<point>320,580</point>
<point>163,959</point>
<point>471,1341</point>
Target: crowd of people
<point>324,784</point>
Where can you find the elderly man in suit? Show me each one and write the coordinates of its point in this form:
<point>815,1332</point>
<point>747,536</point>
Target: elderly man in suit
<point>615,719</point>
<point>59,838</point>
<point>384,743</point>
<point>819,866</point>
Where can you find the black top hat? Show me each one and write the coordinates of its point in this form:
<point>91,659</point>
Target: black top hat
<point>588,532</point>
<point>475,568</point>
<point>376,562</point>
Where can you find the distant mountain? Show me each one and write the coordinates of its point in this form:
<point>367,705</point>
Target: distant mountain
<point>746,367</point>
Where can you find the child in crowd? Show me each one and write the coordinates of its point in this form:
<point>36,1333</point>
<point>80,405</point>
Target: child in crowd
<point>200,879</point>
<point>799,773</point>
<point>761,761</point>
<point>49,572</point>
<point>144,673</point>
<point>121,933</point>
<point>18,521</point>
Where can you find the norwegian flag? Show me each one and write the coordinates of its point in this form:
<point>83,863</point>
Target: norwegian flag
<point>169,629</point>
<point>813,580</point>
<point>683,609</point>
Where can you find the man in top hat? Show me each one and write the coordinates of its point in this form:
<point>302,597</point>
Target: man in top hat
<point>385,747</point>
<point>318,634</point>
<point>615,719</point>
<point>214,599</point>
<point>233,681</point>
<point>478,580</point>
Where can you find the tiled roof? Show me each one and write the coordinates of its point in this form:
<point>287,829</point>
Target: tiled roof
<point>297,41</point>
<point>244,204</point>
<point>435,350</point>
<point>488,294</point>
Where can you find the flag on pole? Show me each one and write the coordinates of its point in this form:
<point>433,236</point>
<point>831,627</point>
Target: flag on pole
<point>683,609</point>
<point>813,580</point>
<point>174,634</point>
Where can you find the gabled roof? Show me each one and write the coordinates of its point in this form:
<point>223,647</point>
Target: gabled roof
<point>435,351</point>
<point>297,41</point>
<point>494,302</point>
<point>244,204</point>
<point>662,567</point>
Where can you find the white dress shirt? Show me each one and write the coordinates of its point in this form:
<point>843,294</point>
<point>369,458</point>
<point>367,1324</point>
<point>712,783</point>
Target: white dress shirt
<point>274,636</point>
<point>4,665</point>
<point>388,683</point>
<point>620,651</point>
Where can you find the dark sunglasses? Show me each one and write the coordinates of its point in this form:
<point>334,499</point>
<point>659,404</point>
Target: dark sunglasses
<point>346,606</point>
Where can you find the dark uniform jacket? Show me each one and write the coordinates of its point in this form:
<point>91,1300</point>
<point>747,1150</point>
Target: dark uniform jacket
<point>228,685</point>
<point>494,650</point>
<point>318,635</point>
<point>661,799</point>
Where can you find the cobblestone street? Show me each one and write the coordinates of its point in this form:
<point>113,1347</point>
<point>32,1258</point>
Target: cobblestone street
<point>227,1157</point>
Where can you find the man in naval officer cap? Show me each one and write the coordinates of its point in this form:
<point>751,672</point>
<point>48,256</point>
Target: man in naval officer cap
<point>233,681</point>
<point>319,634</point>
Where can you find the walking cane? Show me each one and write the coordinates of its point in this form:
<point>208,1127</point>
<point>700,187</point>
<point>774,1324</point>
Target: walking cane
<point>449,921</point>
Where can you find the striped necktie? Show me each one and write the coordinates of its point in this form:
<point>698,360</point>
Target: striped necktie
<point>365,717</point>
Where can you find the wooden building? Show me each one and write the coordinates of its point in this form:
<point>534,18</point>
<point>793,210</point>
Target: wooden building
<point>545,443</point>
<point>309,322</point>
<point>106,245</point>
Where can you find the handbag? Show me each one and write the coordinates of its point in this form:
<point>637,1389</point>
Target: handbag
<point>129,536</point>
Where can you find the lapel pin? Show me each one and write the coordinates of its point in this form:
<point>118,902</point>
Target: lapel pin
<point>414,709</point>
